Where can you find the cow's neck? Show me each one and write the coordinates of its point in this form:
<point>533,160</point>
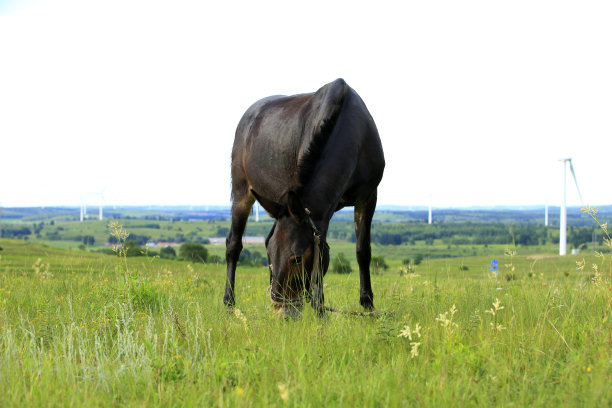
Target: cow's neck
<point>322,207</point>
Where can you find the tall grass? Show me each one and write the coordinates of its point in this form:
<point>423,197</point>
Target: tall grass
<point>70,335</point>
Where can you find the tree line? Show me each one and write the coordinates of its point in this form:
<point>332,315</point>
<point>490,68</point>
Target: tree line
<point>383,233</point>
<point>466,233</point>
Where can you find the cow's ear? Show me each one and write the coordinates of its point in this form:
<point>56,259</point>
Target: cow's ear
<point>273,208</point>
<point>296,208</point>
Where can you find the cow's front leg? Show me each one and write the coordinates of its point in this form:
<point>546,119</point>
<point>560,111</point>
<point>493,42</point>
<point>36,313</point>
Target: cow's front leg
<point>318,299</point>
<point>233,244</point>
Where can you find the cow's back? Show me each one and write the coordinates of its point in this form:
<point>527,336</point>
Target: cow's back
<point>267,144</point>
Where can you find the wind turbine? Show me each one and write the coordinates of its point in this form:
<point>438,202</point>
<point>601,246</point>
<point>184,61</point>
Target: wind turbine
<point>100,196</point>
<point>563,217</point>
<point>430,217</point>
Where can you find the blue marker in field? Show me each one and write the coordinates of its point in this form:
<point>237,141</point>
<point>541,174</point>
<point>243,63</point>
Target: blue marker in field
<point>493,266</point>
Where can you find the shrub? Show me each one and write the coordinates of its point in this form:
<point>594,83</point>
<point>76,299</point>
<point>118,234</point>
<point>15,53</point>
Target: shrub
<point>133,249</point>
<point>193,252</point>
<point>341,264</point>
<point>379,264</point>
<point>418,259</point>
<point>167,253</point>
<point>214,259</point>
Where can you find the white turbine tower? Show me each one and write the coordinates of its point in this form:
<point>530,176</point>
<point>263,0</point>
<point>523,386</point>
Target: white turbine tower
<point>256,212</point>
<point>83,215</point>
<point>82,209</point>
<point>563,216</point>
<point>100,197</point>
<point>430,217</point>
<point>101,204</point>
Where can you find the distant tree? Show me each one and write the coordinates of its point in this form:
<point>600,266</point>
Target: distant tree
<point>418,259</point>
<point>578,236</point>
<point>341,264</point>
<point>202,240</point>
<point>139,239</point>
<point>15,232</point>
<point>89,240</point>
<point>38,227</point>
<point>167,253</point>
<point>387,238</point>
<point>252,258</point>
<point>193,252</point>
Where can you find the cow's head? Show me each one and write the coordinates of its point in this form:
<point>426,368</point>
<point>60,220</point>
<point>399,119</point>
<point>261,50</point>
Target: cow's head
<point>291,253</point>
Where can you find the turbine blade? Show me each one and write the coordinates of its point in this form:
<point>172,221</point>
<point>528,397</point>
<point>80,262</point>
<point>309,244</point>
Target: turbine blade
<point>576,181</point>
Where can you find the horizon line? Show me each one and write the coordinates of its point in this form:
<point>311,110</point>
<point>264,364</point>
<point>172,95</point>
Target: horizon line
<point>406,207</point>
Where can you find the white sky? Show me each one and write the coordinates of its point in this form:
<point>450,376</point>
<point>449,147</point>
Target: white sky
<point>475,101</point>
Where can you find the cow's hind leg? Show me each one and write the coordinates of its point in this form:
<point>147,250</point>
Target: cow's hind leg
<point>241,208</point>
<point>364,211</point>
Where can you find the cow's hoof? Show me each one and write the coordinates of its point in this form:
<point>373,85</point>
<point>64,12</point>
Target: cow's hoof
<point>367,303</point>
<point>229,301</point>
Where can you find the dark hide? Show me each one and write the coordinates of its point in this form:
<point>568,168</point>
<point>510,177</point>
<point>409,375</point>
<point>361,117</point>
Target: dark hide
<point>318,151</point>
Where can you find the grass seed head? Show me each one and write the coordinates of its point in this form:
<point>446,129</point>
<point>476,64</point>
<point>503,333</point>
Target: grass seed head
<point>283,391</point>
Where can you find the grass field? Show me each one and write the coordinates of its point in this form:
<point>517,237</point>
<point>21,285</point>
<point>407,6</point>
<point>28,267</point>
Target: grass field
<point>73,332</point>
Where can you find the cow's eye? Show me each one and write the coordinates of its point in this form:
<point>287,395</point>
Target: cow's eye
<point>296,260</point>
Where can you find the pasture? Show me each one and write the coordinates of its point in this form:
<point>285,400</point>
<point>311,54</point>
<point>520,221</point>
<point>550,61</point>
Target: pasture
<point>80,328</point>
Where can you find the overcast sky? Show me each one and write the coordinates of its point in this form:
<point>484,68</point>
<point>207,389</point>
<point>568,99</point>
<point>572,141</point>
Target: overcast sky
<point>475,101</point>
